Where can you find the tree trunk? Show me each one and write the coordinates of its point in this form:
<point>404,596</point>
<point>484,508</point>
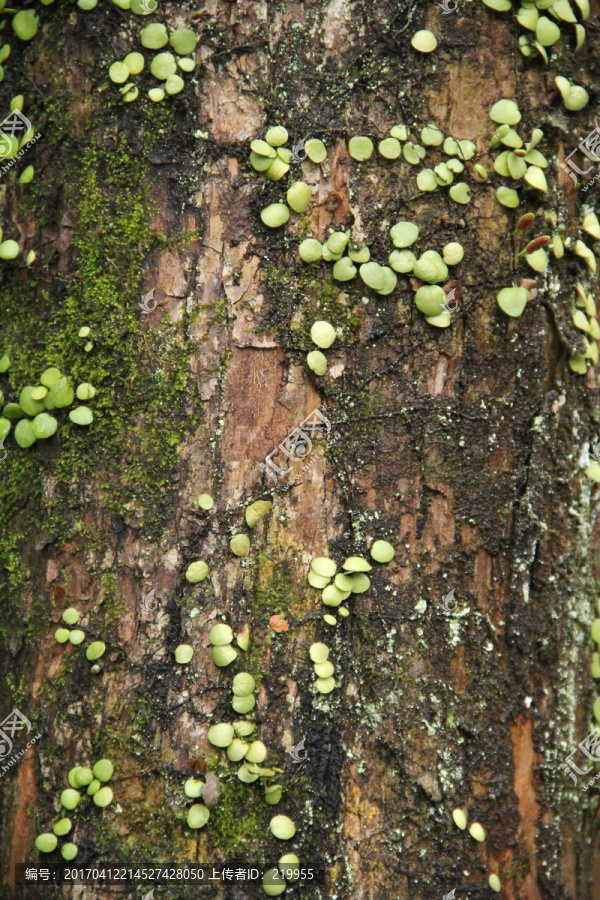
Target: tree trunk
<point>466,448</point>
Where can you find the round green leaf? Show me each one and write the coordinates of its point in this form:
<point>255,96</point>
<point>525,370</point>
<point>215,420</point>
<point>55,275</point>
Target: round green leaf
<point>50,376</point>
<point>95,651</point>
<point>24,435</point>
<point>221,735</point>
<point>390,148</point>
<point>323,566</point>
<point>390,281</point>
<point>62,827</point>
<point>26,175</point>
<point>8,249</point>
<point>196,571</point>
<point>77,636</point>
<point>69,851</point>
<point>424,41</point>
<point>240,545</point>
<point>44,426</point>
<point>193,788</point>
<point>224,656</point>
<point>507,197</point>
<point>25,24</point>
<point>316,362</point>
<point>546,31</point>
<point>402,260</point>
<point>299,196</point>
<point>81,415</point>
<point>460,192</point>
<point>403,234</point>
<point>183,653</point>
<point>60,394</point>
<point>183,41</point>
<point>505,112</point>
<point>382,552</point>
<point>282,827</point>
<point>174,84</point>
<point>118,72</point>
<point>135,62</point>
<point>276,136</point>
<point>241,705</point>
<point>373,275</point>
<point>277,169</point>
<point>103,770</point>
<point>426,180</point>
<point>70,798</point>
<point>13,411</point>
<point>273,883</point>
<point>344,269</point>
<point>430,299</point>
<point>453,253</point>
<point>30,406</point>
<point>323,334</point>
<point>139,7</point>
<point>154,36</point>
<point>513,300</point>
<point>360,148</point>
<point>46,843</point>
<point>163,65</point>
<point>315,150</point>
<point>198,815</point>
<point>431,267</point>
<point>356,564</point>
<point>318,652</point>
<point>310,250</point>
<point>103,797</point>
<point>220,635</point>
<point>256,511</point>
<point>275,215</point>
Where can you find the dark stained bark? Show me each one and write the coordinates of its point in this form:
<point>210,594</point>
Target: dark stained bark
<point>465,447</point>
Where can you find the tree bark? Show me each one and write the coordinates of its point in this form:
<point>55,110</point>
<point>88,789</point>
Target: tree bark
<point>464,447</point>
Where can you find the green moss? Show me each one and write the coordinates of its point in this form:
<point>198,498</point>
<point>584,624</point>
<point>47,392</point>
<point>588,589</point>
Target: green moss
<point>239,820</point>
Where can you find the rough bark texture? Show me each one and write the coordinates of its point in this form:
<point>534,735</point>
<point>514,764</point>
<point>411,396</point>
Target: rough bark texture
<point>464,447</point>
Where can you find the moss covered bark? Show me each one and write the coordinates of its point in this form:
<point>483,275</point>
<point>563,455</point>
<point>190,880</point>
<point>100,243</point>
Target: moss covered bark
<point>465,447</point>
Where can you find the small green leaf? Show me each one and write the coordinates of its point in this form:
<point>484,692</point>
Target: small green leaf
<point>25,24</point>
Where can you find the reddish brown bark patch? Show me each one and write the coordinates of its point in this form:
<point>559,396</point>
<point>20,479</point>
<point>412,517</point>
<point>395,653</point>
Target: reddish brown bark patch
<point>524,760</point>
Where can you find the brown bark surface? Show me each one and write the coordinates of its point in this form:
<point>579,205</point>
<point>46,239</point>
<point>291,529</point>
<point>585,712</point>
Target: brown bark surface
<point>465,447</point>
